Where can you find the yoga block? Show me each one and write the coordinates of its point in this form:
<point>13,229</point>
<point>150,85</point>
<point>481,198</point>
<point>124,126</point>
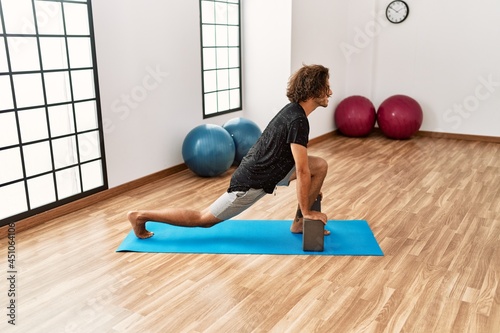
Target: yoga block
<point>317,204</point>
<point>313,236</point>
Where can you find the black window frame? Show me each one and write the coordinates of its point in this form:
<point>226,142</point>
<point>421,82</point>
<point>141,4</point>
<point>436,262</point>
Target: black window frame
<point>72,105</point>
<point>220,111</point>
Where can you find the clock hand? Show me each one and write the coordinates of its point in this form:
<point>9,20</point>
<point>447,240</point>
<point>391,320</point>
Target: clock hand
<point>396,10</point>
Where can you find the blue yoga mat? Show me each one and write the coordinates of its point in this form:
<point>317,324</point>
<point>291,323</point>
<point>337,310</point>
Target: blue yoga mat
<point>352,237</point>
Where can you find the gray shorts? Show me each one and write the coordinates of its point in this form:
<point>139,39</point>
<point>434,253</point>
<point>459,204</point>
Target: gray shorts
<point>230,204</point>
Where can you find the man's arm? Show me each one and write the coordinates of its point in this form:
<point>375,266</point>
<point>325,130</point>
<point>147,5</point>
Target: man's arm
<point>303,174</point>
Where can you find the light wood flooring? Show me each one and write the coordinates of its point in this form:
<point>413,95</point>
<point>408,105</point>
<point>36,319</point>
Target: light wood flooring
<point>432,203</point>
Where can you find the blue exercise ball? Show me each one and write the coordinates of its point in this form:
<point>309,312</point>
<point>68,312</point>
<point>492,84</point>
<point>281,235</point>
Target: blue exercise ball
<point>208,150</point>
<point>244,133</point>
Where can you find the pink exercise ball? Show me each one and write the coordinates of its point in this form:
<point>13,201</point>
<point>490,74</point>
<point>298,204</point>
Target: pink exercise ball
<point>399,117</point>
<point>355,116</point>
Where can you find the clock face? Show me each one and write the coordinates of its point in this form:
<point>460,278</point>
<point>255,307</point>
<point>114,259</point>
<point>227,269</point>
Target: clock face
<point>397,11</point>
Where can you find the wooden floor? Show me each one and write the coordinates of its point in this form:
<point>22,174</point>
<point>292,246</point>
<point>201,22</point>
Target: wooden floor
<point>433,205</point>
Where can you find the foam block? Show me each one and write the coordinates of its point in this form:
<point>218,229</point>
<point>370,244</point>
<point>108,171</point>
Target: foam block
<point>317,204</point>
<point>313,237</point>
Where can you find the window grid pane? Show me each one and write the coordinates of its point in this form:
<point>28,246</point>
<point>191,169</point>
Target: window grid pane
<point>221,55</point>
<point>51,149</point>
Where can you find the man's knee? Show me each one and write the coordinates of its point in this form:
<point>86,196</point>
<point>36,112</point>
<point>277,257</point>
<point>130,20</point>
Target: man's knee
<point>319,166</point>
<point>207,225</point>
<point>208,220</point>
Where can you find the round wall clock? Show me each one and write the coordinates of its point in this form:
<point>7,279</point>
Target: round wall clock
<point>397,11</point>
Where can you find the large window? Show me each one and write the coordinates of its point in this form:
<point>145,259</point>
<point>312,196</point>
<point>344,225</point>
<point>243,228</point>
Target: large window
<point>51,147</point>
<point>221,56</point>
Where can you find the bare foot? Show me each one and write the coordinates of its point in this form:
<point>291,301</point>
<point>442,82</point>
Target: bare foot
<point>297,227</point>
<point>138,225</point>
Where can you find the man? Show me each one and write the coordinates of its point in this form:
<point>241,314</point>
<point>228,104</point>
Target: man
<point>278,156</point>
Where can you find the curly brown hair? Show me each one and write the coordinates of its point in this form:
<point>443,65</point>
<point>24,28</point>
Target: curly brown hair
<point>310,81</point>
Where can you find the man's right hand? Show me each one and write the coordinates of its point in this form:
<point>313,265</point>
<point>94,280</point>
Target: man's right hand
<point>313,215</point>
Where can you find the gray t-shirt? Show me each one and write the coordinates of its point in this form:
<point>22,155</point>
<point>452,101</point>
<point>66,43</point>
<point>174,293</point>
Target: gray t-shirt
<point>270,159</point>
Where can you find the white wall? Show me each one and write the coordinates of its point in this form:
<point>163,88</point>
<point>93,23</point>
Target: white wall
<point>266,50</point>
<point>445,55</point>
<point>146,116</point>
<point>317,28</point>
